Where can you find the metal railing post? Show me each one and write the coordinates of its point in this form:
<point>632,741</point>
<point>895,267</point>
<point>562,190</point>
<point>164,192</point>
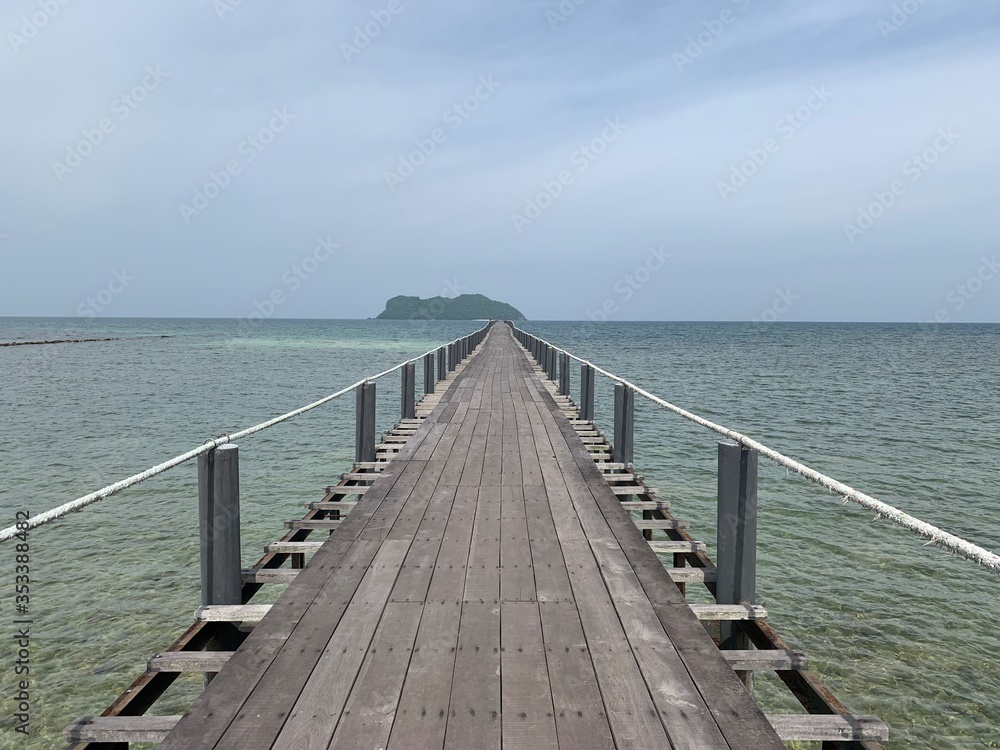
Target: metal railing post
<point>408,397</point>
<point>587,381</point>
<point>621,450</point>
<point>364,424</point>
<point>219,525</point>
<point>736,537</point>
<point>429,373</point>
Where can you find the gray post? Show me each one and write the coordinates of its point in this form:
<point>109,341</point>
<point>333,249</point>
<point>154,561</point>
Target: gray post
<point>587,376</point>
<point>621,450</point>
<point>442,363</point>
<point>364,443</point>
<point>219,521</point>
<point>408,397</point>
<point>564,374</point>
<point>429,373</point>
<point>736,545</point>
<point>553,360</point>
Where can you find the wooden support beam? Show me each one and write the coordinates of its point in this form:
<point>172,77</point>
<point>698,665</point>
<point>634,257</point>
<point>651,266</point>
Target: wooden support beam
<point>647,505</point>
<point>661,547</point>
<point>271,575</point>
<point>768,660</point>
<point>313,524</point>
<point>344,489</point>
<point>344,506</point>
<point>829,728</point>
<point>662,523</point>
<point>292,547</point>
<point>189,661</point>
<point>728,612</point>
<point>692,575</point>
<point>232,612</point>
<point>152,729</point>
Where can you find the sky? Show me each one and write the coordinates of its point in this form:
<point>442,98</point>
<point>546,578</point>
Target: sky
<point>585,159</point>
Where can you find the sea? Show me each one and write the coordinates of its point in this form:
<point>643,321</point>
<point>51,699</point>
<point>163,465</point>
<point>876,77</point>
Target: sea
<point>908,413</point>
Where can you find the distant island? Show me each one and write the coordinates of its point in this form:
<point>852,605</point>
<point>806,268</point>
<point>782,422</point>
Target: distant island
<point>462,307</point>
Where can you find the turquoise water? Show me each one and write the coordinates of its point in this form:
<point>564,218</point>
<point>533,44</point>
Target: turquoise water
<point>910,415</point>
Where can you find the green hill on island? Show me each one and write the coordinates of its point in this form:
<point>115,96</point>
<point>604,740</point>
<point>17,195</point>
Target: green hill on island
<point>462,307</point>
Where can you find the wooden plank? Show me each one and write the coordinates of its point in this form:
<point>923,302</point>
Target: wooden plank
<point>828,728</point>
<point>661,523</point>
<point>451,567</point>
<point>647,505</point>
<point>581,721</point>
<point>189,661</point>
<point>482,582</point>
<point>314,524</point>
<point>415,574</point>
<point>270,575</point>
<point>728,612</point>
<point>292,547</point>
<point>528,715</point>
<point>315,714</point>
<point>674,548</point>
<point>422,713</point>
<point>766,660</point>
<point>121,728</point>
<point>370,710</point>
<point>232,612</point>
<point>517,575</point>
<point>474,719</point>
<point>631,712</point>
<point>551,577</point>
<point>343,506</point>
<point>693,575</point>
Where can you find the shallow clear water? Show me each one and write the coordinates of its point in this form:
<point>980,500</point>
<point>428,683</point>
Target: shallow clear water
<point>895,628</point>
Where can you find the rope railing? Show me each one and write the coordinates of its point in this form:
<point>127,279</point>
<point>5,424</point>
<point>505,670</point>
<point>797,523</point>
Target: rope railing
<point>931,533</point>
<point>210,445</point>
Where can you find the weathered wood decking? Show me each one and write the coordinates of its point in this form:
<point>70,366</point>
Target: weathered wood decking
<point>488,590</point>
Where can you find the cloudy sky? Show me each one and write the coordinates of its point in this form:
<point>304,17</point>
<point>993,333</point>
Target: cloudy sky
<point>712,160</point>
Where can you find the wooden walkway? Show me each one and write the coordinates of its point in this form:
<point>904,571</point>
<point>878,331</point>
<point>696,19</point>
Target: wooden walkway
<point>487,591</point>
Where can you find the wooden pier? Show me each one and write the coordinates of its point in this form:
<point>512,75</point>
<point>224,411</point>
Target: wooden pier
<point>490,576</point>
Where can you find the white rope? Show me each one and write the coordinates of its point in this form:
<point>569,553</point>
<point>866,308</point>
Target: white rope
<point>931,533</point>
<point>113,489</point>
